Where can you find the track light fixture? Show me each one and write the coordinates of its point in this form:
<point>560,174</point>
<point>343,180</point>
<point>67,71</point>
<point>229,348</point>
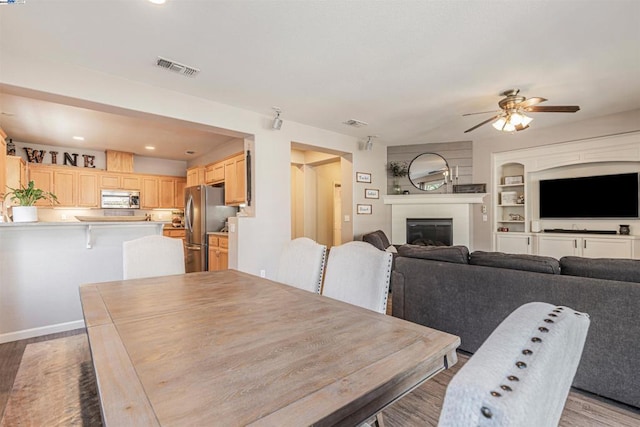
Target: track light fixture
<point>277,121</point>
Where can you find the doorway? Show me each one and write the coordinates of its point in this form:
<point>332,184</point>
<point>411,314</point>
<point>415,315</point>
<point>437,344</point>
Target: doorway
<point>317,195</point>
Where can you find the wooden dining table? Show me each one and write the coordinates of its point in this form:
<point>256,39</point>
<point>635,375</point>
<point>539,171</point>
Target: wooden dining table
<point>229,348</point>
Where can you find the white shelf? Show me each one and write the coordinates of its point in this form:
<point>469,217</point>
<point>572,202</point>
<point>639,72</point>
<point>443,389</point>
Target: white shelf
<point>512,221</point>
<point>510,185</point>
<point>511,205</point>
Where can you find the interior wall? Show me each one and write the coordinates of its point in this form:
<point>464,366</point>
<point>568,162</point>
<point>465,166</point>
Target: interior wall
<point>229,148</point>
<point>491,141</point>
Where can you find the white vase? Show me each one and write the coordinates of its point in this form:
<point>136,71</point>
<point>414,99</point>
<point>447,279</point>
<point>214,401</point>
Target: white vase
<point>25,213</point>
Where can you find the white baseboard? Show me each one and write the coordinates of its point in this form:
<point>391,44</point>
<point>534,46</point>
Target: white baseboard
<point>44,330</point>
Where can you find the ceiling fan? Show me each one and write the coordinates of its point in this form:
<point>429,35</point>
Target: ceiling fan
<point>511,116</point>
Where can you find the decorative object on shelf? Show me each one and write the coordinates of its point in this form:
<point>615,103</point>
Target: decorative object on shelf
<point>503,229</point>
<point>520,200</point>
<point>371,193</point>
<point>513,180</point>
<point>363,177</point>
<point>11,148</point>
<point>516,217</point>
<point>470,188</point>
<point>508,198</point>
<point>624,229</point>
<point>398,169</point>
<point>429,172</point>
<point>26,197</point>
<point>364,210</point>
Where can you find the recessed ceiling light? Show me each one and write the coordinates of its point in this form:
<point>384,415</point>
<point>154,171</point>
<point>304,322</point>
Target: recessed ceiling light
<point>149,147</point>
<point>158,1</point>
<point>79,138</point>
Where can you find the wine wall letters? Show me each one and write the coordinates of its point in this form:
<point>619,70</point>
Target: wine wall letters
<point>71,159</point>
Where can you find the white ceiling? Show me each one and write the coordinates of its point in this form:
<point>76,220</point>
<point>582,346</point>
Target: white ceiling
<point>408,68</point>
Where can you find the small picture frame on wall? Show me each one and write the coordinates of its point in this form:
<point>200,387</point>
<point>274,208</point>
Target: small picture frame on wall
<point>364,209</point>
<point>513,180</point>
<point>371,193</point>
<point>363,177</point>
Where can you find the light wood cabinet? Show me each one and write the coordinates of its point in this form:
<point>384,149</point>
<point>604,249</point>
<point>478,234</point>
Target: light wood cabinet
<point>119,161</point>
<point>167,192</point>
<point>218,252</point>
<point>181,184</point>
<point>196,176</point>
<point>119,181</point>
<point>16,172</point>
<point>149,193</point>
<point>64,187</point>
<point>214,173</point>
<point>88,194</point>
<point>42,177</point>
<point>234,180</point>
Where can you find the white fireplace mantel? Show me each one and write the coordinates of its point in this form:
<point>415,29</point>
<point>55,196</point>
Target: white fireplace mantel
<point>423,199</point>
<point>455,206</point>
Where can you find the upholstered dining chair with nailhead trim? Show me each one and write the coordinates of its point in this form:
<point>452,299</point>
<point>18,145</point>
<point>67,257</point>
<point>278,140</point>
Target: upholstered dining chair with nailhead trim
<point>152,256</point>
<point>302,264</point>
<point>521,375</point>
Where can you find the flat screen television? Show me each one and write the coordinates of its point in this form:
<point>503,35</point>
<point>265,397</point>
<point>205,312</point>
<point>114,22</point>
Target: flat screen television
<point>604,196</point>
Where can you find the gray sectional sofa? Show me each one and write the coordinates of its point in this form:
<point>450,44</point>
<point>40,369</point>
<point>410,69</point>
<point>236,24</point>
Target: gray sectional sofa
<point>468,295</point>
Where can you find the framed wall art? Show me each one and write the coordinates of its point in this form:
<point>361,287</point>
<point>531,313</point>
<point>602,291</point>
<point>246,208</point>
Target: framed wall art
<point>364,209</point>
<point>363,177</point>
<point>371,193</point>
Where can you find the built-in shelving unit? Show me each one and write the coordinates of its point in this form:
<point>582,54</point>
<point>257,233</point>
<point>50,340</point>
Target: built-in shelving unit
<point>510,209</point>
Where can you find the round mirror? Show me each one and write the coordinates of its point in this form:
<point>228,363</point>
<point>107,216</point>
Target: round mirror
<point>428,171</point>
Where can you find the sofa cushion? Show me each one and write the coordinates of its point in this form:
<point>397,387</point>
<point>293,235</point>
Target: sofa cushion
<point>456,254</point>
<point>535,263</point>
<point>378,239</point>
<point>624,270</point>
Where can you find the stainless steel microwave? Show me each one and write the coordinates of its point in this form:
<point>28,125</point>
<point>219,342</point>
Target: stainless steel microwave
<point>120,199</point>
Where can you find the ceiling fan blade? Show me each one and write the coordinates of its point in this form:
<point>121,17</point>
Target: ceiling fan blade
<point>553,109</point>
<point>483,123</point>
<point>480,112</point>
<point>531,102</point>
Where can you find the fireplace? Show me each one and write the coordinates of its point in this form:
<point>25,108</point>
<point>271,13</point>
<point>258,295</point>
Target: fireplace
<point>430,231</point>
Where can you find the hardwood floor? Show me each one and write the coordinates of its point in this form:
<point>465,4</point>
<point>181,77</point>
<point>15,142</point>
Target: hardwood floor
<point>419,408</point>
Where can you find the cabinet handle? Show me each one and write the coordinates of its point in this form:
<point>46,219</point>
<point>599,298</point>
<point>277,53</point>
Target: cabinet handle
<point>528,241</point>
<point>585,244</point>
<point>575,243</point>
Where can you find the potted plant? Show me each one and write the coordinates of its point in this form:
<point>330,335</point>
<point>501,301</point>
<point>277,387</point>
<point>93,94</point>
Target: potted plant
<point>25,198</point>
<point>398,169</point>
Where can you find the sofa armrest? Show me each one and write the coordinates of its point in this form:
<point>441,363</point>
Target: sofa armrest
<point>397,294</point>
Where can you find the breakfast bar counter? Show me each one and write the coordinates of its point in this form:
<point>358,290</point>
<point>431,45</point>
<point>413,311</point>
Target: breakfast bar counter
<point>42,264</point>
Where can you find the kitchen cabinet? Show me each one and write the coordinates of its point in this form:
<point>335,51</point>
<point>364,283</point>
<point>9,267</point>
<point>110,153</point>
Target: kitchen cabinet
<point>117,181</point>
<point>167,188</point>
<point>181,184</point>
<point>215,173</point>
<point>218,252</point>
<point>235,180</point>
<point>514,243</point>
<point>88,195</point>
<point>42,177</point>
<point>149,193</point>
<point>586,246</point>
<point>119,161</point>
<point>64,187</point>
<point>16,172</point>
<point>196,176</point>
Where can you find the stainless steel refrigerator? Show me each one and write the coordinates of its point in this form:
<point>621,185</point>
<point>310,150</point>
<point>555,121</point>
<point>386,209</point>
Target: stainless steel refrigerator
<point>204,211</point>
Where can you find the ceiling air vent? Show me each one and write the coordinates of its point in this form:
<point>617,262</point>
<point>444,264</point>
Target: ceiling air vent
<point>177,67</point>
<point>355,123</point>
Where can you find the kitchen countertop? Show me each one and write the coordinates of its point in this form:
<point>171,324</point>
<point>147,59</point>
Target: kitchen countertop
<point>78,224</point>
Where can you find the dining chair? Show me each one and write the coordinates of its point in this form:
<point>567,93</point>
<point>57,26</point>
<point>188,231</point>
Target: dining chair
<point>302,264</point>
<point>152,256</point>
<point>359,274</point>
<point>521,375</point>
